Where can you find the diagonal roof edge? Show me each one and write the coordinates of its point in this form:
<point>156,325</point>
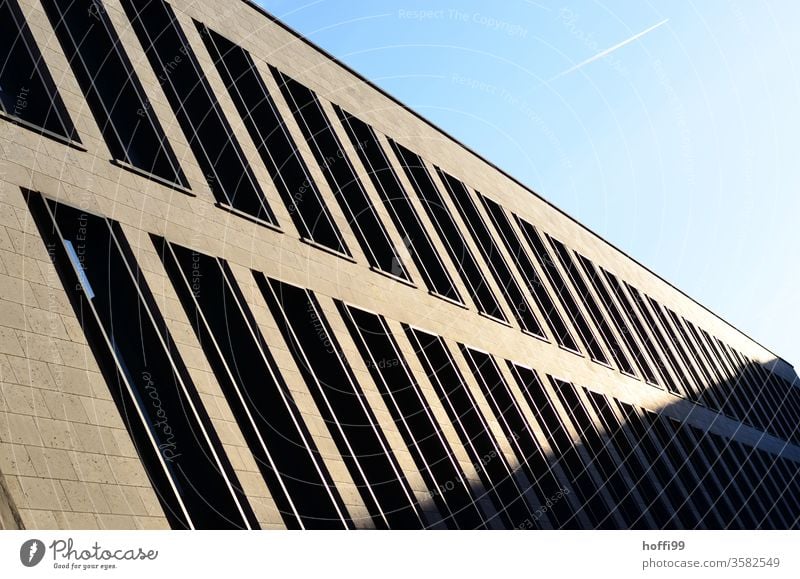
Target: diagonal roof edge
<point>359,76</point>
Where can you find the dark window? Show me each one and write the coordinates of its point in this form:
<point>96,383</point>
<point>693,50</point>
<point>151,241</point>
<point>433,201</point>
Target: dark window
<point>273,141</point>
<point>638,327</point>
<point>209,134</point>
<point>618,319</point>
<point>397,203</point>
<point>495,473</point>
<point>342,404</point>
<point>113,91</point>
<point>720,514</point>
<point>782,420</point>
<point>491,254</point>
<point>528,272</point>
<point>447,485</point>
<point>155,396</point>
<point>341,176</point>
<point>731,385</point>
<point>756,406</point>
<point>778,401</point>
<point>697,503</point>
<point>515,426</point>
<point>667,359</point>
<point>547,264</point>
<point>745,477</point>
<point>719,464</point>
<point>589,302</point>
<point>644,480</point>
<point>695,387</point>
<point>602,456</point>
<point>449,233</point>
<point>705,378</point>
<point>27,91</point>
<point>754,476</point>
<point>713,392</point>
<point>257,394</point>
<point>660,466</point>
<point>565,451</point>
<point>727,384</point>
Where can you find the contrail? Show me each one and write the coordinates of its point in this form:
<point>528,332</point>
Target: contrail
<point>608,51</point>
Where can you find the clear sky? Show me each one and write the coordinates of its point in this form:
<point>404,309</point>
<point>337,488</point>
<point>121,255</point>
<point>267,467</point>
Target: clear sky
<point>672,129</point>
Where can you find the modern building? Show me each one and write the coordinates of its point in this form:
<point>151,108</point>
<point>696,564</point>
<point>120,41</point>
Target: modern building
<point>241,287</point>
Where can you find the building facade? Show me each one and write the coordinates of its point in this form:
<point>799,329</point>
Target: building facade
<point>241,287</point>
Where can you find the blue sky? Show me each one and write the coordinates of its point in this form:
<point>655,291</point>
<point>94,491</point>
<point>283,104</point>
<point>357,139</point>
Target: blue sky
<point>681,146</point>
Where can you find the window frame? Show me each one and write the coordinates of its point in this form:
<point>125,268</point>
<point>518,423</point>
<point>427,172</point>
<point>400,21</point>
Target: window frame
<point>241,390</point>
<point>440,490</point>
<point>98,101</point>
<point>439,282</point>
<point>176,366</point>
<point>300,356</point>
<point>450,234</point>
<point>492,256</point>
<point>209,166</point>
<point>68,134</point>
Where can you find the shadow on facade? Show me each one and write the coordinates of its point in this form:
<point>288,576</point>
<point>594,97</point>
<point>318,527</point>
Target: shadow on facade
<point>728,462</point>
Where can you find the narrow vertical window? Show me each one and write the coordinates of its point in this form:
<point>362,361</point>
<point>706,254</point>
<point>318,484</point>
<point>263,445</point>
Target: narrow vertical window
<point>728,383</point>
<point>260,400</point>
<point>745,478</point>
<point>602,456</point>
<point>273,141</point>
<point>491,254</point>
<point>518,431</point>
<point>395,199</point>
<point>496,474</point>
<point>703,373</point>
<point>638,327</point>
<point>755,476</point>
<point>780,418</point>
<point>207,130</point>
<point>712,391</point>
<point>741,517</point>
<point>695,387</point>
<point>644,479</point>
<point>757,407</point>
<point>565,450</point>
<point>447,485</point>
<point>341,176</point>
<point>27,91</point>
<point>685,475</point>
<point>680,387</point>
<point>548,265</point>
<point>113,91</point>
<point>339,397</point>
<point>449,233</point>
<point>681,516</point>
<point>639,358</point>
<point>528,272</point>
<point>156,398</point>
<point>606,333</point>
<point>720,514</point>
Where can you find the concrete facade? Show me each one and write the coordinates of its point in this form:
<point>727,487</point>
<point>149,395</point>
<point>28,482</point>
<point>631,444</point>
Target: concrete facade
<point>66,455</point>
